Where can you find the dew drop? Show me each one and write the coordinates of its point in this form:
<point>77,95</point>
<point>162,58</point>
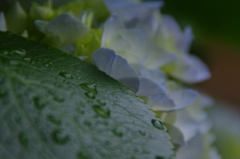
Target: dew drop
<point>59,137</point>
<point>3,93</point>
<point>159,157</point>
<point>82,155</point>
<point>157,124</point>
<point>23,139</point>
<point>87,123</point>
<point>53,119</point>
<point>117,132</point>
<point>14,63</point>
<point>27,59</point>
<point>90,95</point>
<point>142,133</point>
<point>103,112</point>
<point>89,87</point>
<point>19,52</point>
<point>58,99</point>
<point>65,75</point>
<point>38,104</point>
<point>101,102</point>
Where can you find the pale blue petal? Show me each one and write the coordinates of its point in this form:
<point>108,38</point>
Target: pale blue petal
<point>148,87</point>
<point>194,150</point>
<point>183,97</point>
<point>111,27</point>
<point>161,103</point>
<point>117,67</point>
<point>156,75</point>
<point>135,11</point>
<point>158,56</point>
<point>176,135</point>
<point>40,25</point>
<point>191,70</point>
<point>185,43</point>
<point>67,28</point>
<point>115,3</point>
<point>2,22</point>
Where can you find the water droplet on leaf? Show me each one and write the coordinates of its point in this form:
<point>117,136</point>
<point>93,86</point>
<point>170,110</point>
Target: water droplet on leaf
<point>90,95</point>
<point>23,139</point>
<point>117,132</point>
<point>65,75</point>
<point>103,112</point>
<point>59,137</point>
<point>82,155</point>
<point>55,120</point>
<point>14,63</point>
<point>38,103</point>
<point>157,124</point>
<point>89,87</point>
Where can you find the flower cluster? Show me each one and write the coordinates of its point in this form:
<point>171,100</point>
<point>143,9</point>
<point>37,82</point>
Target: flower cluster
<point>136,45</point>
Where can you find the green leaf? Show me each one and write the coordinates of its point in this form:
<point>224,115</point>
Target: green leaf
<point>53,105</point>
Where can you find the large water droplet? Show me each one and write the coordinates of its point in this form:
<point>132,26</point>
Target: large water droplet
<point>58,99</point>
<point>23,139</point>
<point>101,102</point>
<point>89,87</point>
<point>55,120</point>
<point>59,137</point>
<point>117,132</point>
<point>3,93</point>
<point>27,59</point>
<point>83,155</point>
<point>19,52</point>
<point>142,133</point>
<point>157,124</point>
<point>87,123</point>
<point>90,95</point>
<point>14,63</point>
<point>65,75</point>
<point>101,111</point>
<point>38,103</point>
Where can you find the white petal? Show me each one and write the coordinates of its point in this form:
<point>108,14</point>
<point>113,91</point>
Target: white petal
<point>158,56</point>
<point>40,25</point>
<point>194,150</point>
<point>148,87</point>
<point>117,67</point>
<point>191,70</point>
<point>67,28</point>
<point>2,22</point>
<point>176,135</point>
<point>111,27</point>
<point>186,40</point>
<point>160,103</point>
<point>183,97</point>
<point>137,11</point>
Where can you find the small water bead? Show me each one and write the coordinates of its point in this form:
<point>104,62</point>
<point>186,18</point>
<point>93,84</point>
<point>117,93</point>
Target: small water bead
<point>142,133</point>
<point>117,133</point>
<point>82,155</point>
<point>101,111</point>
<point>58,99</point>
<point>65,75</point>
<point>90,95</point>
<point>100,102</point>
<point>157,124</point>
<point>53,119</point>
<point>23,139</point>
<point>59,137</point>
<point>3,93</point>
<point>87,123</point>
<point>14,63</point>
<point>19,52</point>
<point>27,59</point>
<point>38,103</point>
<point>89,87</point>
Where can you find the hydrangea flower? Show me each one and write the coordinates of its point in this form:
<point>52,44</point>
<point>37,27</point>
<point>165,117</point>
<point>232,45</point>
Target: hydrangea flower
<point>135,45</point>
